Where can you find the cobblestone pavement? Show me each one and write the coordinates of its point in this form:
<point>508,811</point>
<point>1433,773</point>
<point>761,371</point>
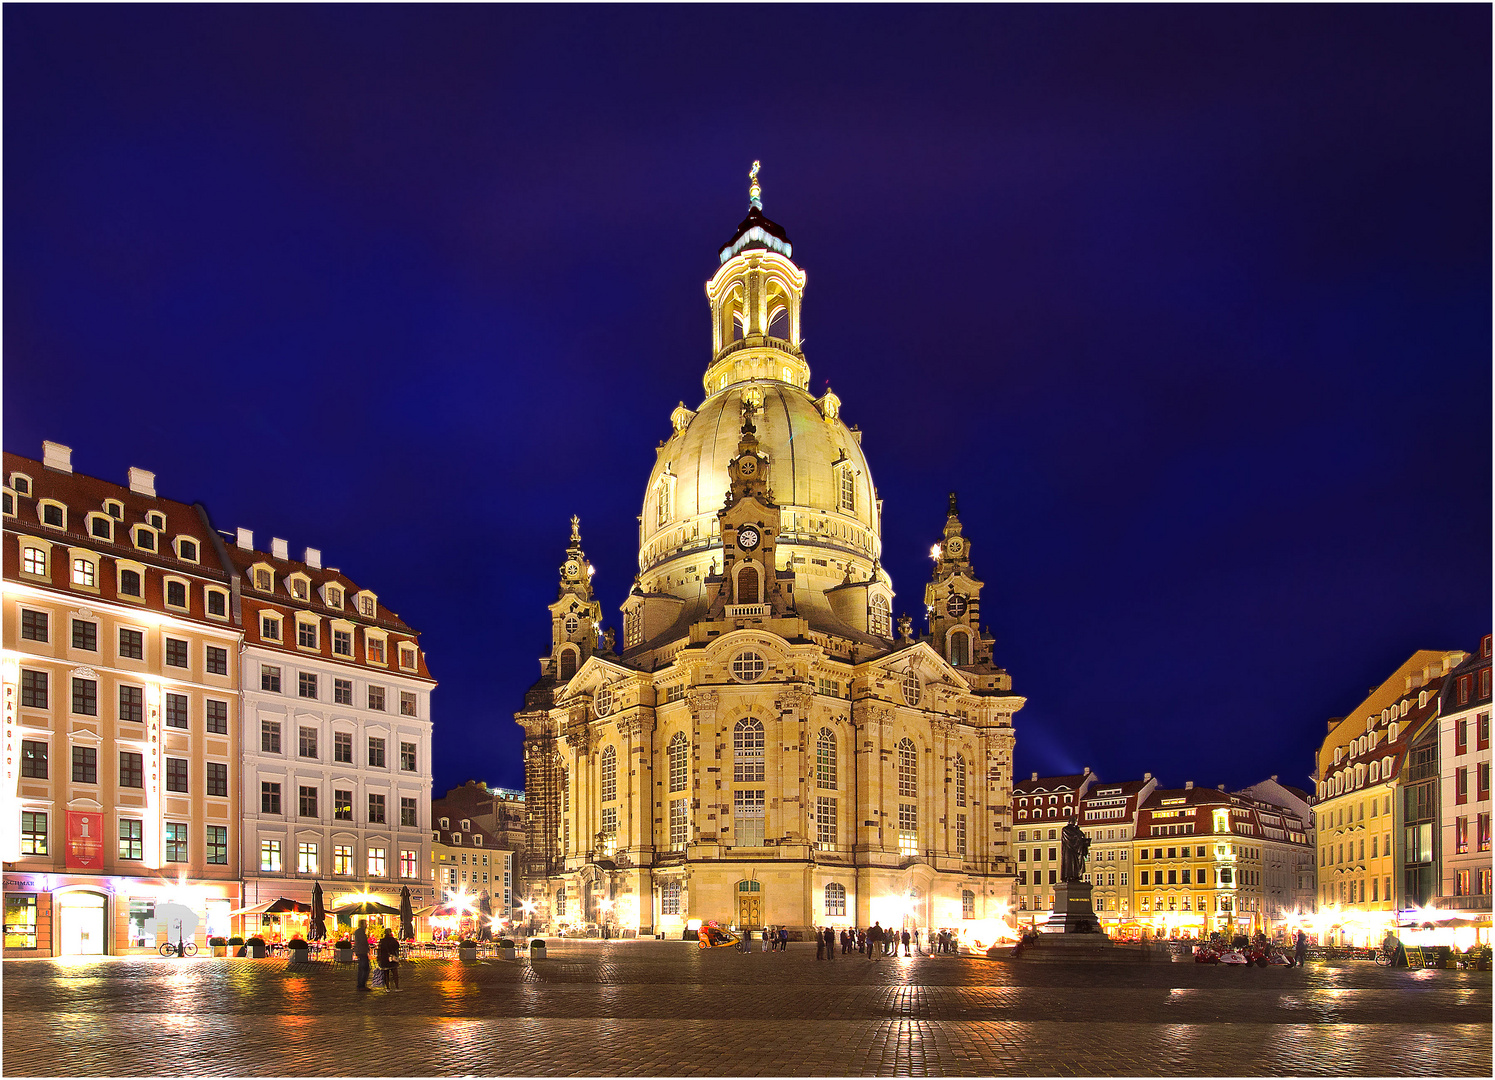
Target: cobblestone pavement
<point>649,1008</point>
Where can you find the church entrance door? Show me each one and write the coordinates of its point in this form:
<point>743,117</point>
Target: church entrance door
<point>749,910</point>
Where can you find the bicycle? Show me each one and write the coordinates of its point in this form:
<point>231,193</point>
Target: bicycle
<point>1385,957</point>
<point>189,948</point>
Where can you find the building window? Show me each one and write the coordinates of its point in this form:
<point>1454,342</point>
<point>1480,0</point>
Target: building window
<point>747,808</point>
<point>85,765</point>
<point>342,859</point>
<point>217,660</point>
<point>960,834</point>
<point>679,827</point>
<point>342,747</point>
<point>374,649</point>
<point>217,779</point>
<point>131,645</point>
<point>609,774</point>
<point>217,844</point>
<point>960,648</point>
<point>145,540</point>
<point>342,643</point>
<point>911,690</point>
<point>269,797</point>
<point>376,809</point>
<point>217,603</point>
<point>33,689</point>
<point>216,717</point>
<point>908,769</point>
<point>306,858</point>
<point>306,801</point>
<point>967,904</point>
<point>669,898</point>
<point>269,736</point>
<point>129,583</point>
<point>835,899</point>
<point>131,839</point>
<point>270,627</point>
<point>84,573</point>
<point>34,561</point>
<point>33,759</point>
<point>376,698</point>
<point>176,710</point>
<point>342,691</point>
<point>176,842</point>
<point>881,618</point>
<point>307,742</point>
<point>342,805</point>
<point>825,823</point>
<point>85,697</point>
<point>407,703</point>
<point>176,774</point>
<point>825,759</point>
<point>85,635</point>
<point>848,491</point>
<point>747,751</point>
<point>176,594</point>
<point>747,667</point>
<point>908,829</point>
<point>306,685</point>
<point>306,635</point>
<point>407,757</point>
<point>270,678</point>
<point>132,704</point>
<point>408,814</point>
<point>270,855</point>
<point>176,653</point>
<point>409,867</point>
<point>33,625</point>
<point>376,753</point>
<point>679,754</point>
<point>960,781</point>
<point>376,862</point>
<point>407,658</point>
<point>33,836</point>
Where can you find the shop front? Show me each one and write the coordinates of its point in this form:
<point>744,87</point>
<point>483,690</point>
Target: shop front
<point>76,915</point>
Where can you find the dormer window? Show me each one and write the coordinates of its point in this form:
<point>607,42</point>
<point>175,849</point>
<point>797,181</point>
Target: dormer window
<point>368,605</point>
<point>848,489</point>
<point>156,521</point>
<point>145,539</point>
<point>264,578</point>
<point>466,825</point>
<point>269,626</point>
<point>478,839</point>
<point>306,634</point>
<point>20,483</point>
<point>100,526</point>
<point>373,648</point>
<point>10,504</point>
<point>115,509</point>
<point>53,514</point>
<point>334,596</point>
<point>407,657</point>
<point>300,586</point>
<point>446,823</point>
<point>186,550</point>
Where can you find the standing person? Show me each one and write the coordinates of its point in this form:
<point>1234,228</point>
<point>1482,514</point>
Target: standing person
<point>389,959</point>
<point>917,948</point>
<point>874,940</point>
<point>830,943</point>
<point>819,944</point>
<point>907,937</point>
<point>1300,948</point>
<point>783,939</point>
<point>767,933</point>
<point>361,952</point>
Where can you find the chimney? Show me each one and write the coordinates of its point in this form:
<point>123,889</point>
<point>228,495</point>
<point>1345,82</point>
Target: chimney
<point>1035,776</point>
<point>245,540</point>
<point>142,482</point>
<point>314,558</point>
<point>56,456</point>
<point>1146,776</point>
<point>280,549</point>
<point>1188,785</point>
<point>1219,787</point>
<point>1085,770</point>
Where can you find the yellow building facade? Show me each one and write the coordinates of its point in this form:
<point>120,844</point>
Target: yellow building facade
<point>766,747</point>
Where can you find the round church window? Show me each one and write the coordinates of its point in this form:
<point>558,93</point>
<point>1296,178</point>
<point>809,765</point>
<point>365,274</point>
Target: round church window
<point>747,667</point>
<point>602,701</point>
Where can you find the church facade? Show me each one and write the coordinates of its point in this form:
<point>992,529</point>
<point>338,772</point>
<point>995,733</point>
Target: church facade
<point>764,746</point>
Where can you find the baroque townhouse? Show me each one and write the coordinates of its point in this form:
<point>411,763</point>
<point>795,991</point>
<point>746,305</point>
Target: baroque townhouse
<point>120,673</point>
<point>1041,807</point>
<point>765,743</point>
<point>1464,777</point>
<point>1377,805</point>
<point>468,861</point>
<point>336,761</point>
<point>1108,814</point>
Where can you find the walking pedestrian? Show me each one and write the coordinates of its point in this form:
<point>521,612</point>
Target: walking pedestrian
<point>783,939</point>
<point>907,937</point>
<point>389,960</point>
<point>361,952</point>
<point>1300,948</point>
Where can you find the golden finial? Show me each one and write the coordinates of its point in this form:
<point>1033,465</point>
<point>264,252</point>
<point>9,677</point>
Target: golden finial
<point>755,193</point>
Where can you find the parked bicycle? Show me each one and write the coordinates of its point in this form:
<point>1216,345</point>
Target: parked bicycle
<point>188,948</point>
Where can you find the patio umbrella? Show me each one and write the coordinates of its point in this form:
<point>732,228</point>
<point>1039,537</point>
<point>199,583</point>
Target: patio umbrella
<point>407,917</point>
<point>485,909</point>
<point>318,914</point>
<point>278,906</point>
<point>366,907</point>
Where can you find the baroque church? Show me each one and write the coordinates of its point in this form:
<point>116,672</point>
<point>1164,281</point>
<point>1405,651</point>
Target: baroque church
<point>765,746</point>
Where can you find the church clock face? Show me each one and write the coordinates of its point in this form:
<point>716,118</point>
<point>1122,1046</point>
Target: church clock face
<point>747,467</point>
<point>572,569</point>
<point>954,546</point>
<point>747,538</point>
<point>955,607</point>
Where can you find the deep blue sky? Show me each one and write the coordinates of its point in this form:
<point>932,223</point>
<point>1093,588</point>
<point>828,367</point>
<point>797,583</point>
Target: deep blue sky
<point>1190,305</point>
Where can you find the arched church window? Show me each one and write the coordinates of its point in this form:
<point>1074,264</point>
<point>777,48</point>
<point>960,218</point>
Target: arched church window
<point>747,750</point>
<point>960,648</point>
<point>911,690</point>
<point>609,774</point>
<point>967,904</point>
<point>663,509</point>
<point>908,768</point>
<point>778,324</point>
<point>560,901</point>
<point>848,490</point>
<point>568,663</point>
<point>881,621</point>
<point>679,751</point>
<point>748,667</point>
<point>960,780</point>
<point>835,899</point>
<point>825,759</point>
<point>747,584</point>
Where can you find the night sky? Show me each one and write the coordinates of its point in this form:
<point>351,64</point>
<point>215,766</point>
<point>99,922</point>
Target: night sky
<point>1192,306</point>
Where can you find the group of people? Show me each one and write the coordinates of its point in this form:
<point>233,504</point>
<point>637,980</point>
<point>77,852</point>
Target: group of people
<point>387,953</point>
<point>774,938</point>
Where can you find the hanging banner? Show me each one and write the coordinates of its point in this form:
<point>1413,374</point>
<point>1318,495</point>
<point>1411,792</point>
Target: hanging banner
<point>85,841</point>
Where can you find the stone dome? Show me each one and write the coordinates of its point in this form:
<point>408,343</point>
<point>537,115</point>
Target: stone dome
<point>816,470</point>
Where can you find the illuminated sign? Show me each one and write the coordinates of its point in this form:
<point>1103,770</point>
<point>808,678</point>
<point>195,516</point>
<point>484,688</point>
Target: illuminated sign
<point>84,849</point>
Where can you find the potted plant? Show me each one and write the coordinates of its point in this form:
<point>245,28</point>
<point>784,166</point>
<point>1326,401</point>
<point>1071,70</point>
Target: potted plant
<point>219,945</point>
<point>236,943</point>
<point>467,949</point>
<point>537,948</point>
<point>507,949</point>
<point>256,947</point>
<point>342,951</point>
<point>299,950</point>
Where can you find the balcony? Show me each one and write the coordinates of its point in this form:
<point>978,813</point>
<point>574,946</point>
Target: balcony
<point>748,611</point>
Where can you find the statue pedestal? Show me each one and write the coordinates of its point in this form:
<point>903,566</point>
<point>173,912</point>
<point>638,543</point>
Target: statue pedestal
<point>1074,915</point>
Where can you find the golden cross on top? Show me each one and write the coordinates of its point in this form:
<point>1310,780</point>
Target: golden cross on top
<point>755,193</point>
